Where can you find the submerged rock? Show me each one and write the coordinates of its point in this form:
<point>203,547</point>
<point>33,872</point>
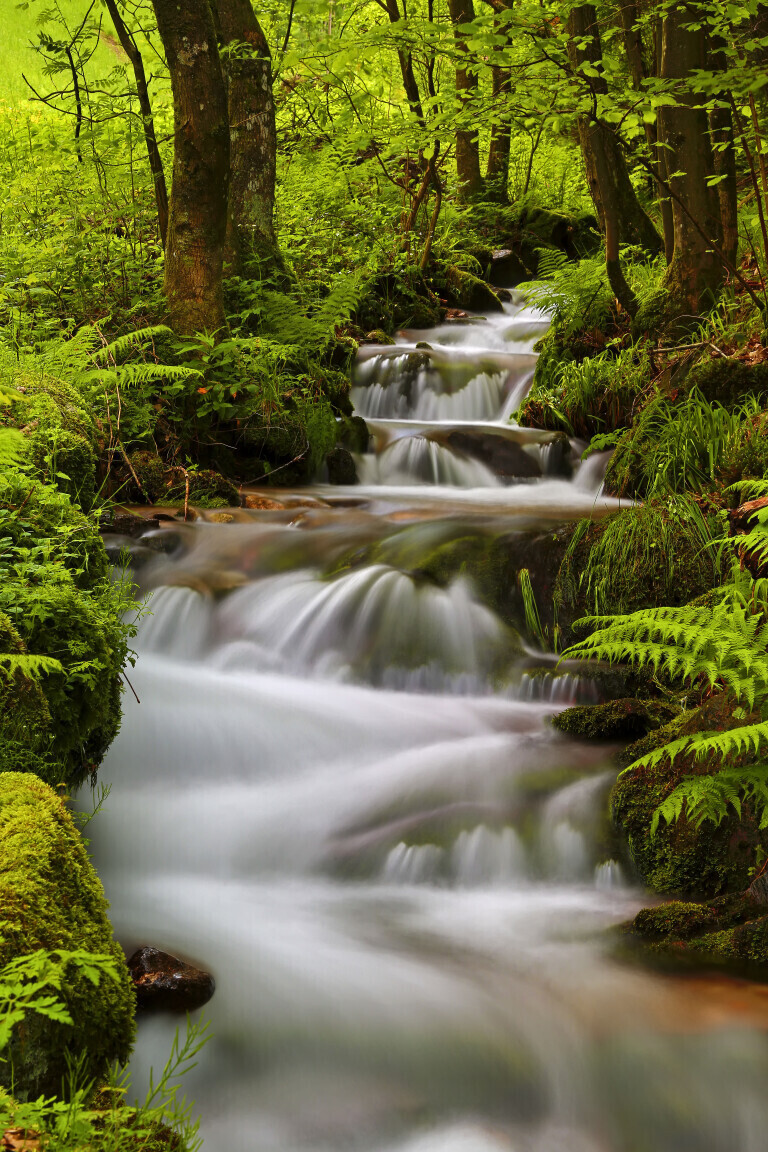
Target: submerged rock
<point>164,983</point>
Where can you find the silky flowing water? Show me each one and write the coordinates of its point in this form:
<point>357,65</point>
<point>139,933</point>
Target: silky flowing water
<point>340,794</point>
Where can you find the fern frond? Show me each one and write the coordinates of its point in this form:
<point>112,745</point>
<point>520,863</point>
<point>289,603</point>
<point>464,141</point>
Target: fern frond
<point>141,336</point>
<point>31,667</point>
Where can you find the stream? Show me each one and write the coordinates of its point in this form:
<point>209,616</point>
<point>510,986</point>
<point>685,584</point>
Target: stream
<point>340,794</point>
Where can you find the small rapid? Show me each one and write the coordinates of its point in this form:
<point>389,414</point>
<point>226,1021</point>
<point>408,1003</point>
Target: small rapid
<point>336,788</point>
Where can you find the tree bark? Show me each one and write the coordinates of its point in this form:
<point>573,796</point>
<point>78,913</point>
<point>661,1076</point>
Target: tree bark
<point>131,49</point>
<point>467,140</point>
<point>606,168</point>
<point>724,158</point>
<point>639,71</point>
<point>251,240</point>
<point>406,68</point>
<point>695,275</point>
<point>197,221</point>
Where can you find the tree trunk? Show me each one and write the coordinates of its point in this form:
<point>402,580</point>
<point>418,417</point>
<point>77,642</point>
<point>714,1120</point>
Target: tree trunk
<point>467,141</point>
<point>252,245</point>
<point>131,49</point>
<point>606,168</point>
<point>406,68</point>
<point>696,273</point>
<point>724,158</point>
<point>497,174</point>
<point>197,221</point>
<point>639,71</point>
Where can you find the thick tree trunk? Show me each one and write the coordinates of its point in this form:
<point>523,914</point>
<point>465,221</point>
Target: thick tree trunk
<point>639,71</point>
<point>695,275</point>
<point>252,245</point>
<point>606,168</point>
<point>197,221</point>
<point>467,140</point>
<point>131,49</point>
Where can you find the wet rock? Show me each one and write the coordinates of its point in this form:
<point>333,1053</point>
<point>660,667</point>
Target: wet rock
<point>164,983</point>
<point>221,518</point>
<point>377,336</point>
<point>354,434</point>
<point>468,291</point>
<point>627,719</point>
<point>507,269</point>
<point>124,523</point>
<point>341,467</point>
<point>263,503</point>
<point>502,456</point>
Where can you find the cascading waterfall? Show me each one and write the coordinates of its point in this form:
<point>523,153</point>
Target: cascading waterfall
<point>340,794</point>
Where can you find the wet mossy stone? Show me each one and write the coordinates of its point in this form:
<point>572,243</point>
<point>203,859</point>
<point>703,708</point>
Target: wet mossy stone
<point>353,434</point>
<point>51,898</point>
<point>67,461</point>
<point>467,291</point>
<point>626,719</point>
<point>681,858</point>
<point>82,631</point>
<point>391,301</point>
<point>207,489</point>
<point>341,467</point>
<point>294,441</point>
<point>730,933</point>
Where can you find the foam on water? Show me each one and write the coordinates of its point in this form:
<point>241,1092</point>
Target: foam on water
<point>396,874</point>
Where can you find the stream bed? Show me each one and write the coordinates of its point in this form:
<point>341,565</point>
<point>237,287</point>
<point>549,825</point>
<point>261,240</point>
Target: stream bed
<point>340,794</point>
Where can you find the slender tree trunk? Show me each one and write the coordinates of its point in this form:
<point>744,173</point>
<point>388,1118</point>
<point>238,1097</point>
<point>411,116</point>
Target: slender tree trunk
<point>131,49</point>
<point>467,140</point>
<point>197,221</point>
<point>696,273</point>
<point>724,159</point>
<point>639,71</point>
<point>251,240</point>
<point>606,168</point>
<point>406,68</point>
<point>501,139</point>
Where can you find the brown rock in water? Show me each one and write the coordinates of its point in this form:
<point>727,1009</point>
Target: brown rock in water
<point>164,983</point>
<point>263,503</point>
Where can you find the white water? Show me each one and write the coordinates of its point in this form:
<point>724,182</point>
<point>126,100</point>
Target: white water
<point>340,794</point>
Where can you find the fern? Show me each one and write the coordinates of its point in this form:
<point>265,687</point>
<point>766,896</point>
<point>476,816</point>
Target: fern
<point>28,666</point>
<point>283,322</point>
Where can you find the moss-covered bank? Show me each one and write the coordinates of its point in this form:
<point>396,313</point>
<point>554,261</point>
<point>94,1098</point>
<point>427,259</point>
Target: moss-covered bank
<point>51,898</point>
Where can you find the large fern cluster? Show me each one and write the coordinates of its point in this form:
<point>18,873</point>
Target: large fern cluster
<point>719,649</point>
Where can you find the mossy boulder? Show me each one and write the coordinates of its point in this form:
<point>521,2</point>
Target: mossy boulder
<point>51,899</point>
<point>151,474</point>
<point>293,442</point>
<point>57,601</point>
<point>730,932</point>
<point>394,300</point>
<point>701,861</point>
<point>207,489</point>
<point>465,290</point>
<point>627,719</point>
<point>728,381</point>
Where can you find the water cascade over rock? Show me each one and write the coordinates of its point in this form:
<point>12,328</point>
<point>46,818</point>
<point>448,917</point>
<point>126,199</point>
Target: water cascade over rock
<point>341,797</point>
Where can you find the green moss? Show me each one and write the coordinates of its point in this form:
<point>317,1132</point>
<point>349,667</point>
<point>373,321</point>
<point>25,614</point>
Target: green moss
<point>60,432</point>
<point>728,381</point>
<point>24,712</point>
<point>151,474</point>
<point>82,631</point>
<point>703,861</point>
<point>296,441</point>
<point>470,292</point>
<point>51,898</point>
<point>617,720</point>
<point>37,516</point>
<point>675,919</point>
<point>207,489</point>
